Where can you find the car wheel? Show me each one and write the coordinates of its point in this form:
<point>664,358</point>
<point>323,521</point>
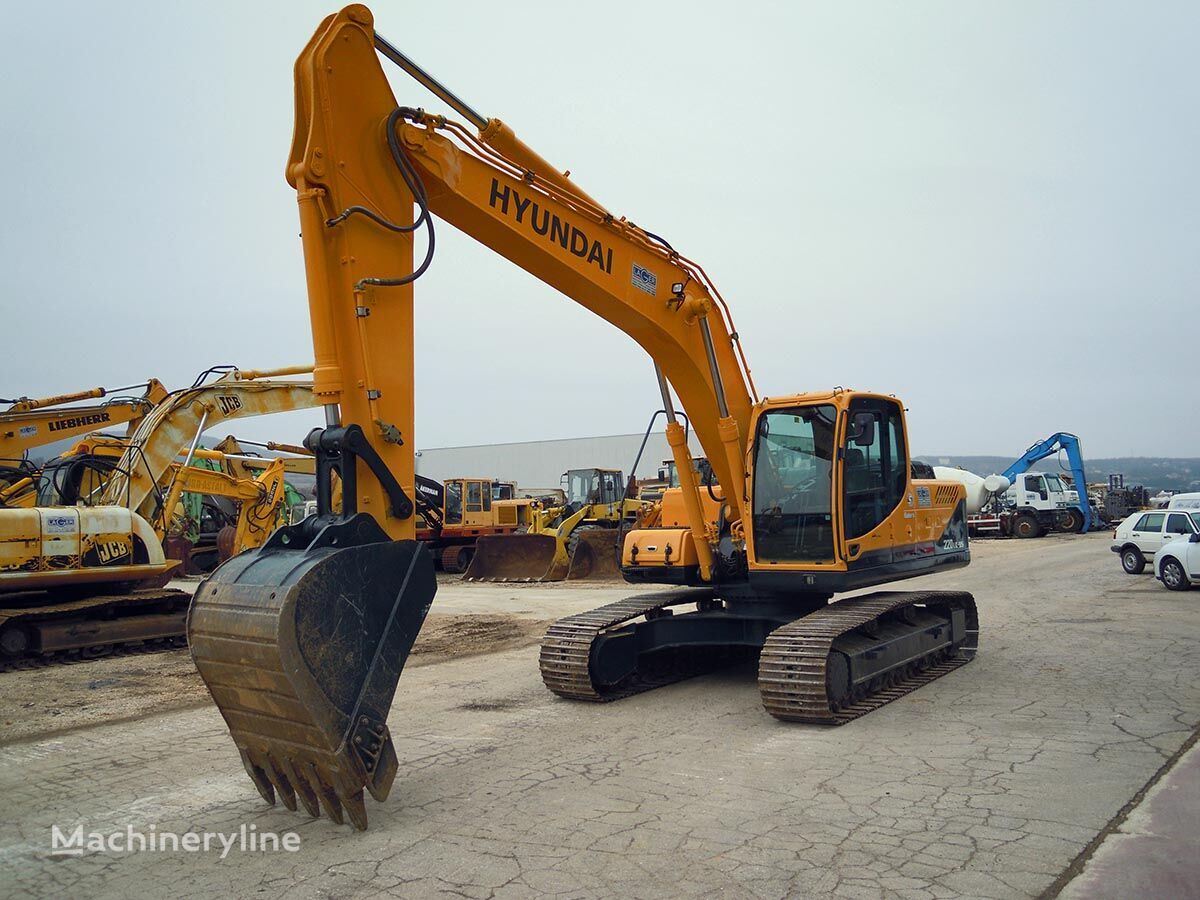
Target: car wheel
<point>1132,561</point>
<point>1173,575</point>
<point>1027,526</point>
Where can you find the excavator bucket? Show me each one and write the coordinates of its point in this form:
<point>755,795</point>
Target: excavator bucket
<point>516,557</point>
<point>596,556</point>
<point>301,644</point>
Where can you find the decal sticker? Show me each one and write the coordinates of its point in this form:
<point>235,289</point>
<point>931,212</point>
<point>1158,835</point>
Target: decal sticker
<point>108,551</point>
<point>230,403</point>
<point>80,421</point>
<point>60,524</point>
<point>28,430</point>
<point>923,497</point>
<point>526,212</point>
<point>645,280</point>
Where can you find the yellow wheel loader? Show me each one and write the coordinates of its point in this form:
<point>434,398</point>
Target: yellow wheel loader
<point>302,642</point>
<point>86,570</point>
<point>576,540</point>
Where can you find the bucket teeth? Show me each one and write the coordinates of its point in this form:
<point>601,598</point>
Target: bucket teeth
<point>305,791</point>
<point>283,785</point>
<point>317,790</point>
<point>356,810</point>
<point>328,797</point>
<point>260,778</point>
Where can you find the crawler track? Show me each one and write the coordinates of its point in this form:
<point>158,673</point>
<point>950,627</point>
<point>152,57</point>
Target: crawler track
<point>793,678</point>
<point>74,657</point>
<point>34,634</point>
<point>566,649</point>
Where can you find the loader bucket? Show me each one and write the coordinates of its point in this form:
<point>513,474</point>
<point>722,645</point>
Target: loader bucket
<point>516,557</point>
<point>595,557</point>
<point>301,644</point>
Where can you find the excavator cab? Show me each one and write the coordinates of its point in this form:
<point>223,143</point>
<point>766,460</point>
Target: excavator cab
<point>74,480</point>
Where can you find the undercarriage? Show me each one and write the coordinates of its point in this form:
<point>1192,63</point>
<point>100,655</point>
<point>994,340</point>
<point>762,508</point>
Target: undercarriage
<point>819,662</point>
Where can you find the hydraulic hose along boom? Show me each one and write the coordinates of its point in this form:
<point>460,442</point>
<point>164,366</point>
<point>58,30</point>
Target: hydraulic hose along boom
<point>302,641</point>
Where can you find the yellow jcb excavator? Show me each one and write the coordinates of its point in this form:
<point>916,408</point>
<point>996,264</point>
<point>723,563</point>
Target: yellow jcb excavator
<point>302,641</point>
<point>85,569</point>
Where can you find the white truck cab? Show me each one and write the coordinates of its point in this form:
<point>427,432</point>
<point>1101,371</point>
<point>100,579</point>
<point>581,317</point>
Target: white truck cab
<point>1043,503</point>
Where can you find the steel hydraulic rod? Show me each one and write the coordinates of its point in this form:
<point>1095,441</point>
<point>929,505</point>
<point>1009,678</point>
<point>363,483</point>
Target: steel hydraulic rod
<point>711,353</point>
<point>442,92</point>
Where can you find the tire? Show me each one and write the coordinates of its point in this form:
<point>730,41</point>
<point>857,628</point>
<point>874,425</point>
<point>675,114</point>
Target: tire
<point>1072,522</point>
<point>1132,561</point>
<point>573,539</point>
<point>1026,526</point>
<point>1173,575</point>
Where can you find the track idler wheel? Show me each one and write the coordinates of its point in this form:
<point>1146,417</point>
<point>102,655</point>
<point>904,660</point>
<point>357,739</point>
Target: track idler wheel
<point>301,644</point>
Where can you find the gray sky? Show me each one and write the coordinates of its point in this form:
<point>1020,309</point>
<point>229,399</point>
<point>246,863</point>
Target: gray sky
<point>990,210</point>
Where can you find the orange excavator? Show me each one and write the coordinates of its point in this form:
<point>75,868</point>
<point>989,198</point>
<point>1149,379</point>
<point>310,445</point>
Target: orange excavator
<point>302,642</point>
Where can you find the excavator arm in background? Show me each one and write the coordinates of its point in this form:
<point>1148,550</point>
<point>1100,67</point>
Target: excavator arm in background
<point>259,499</point>
<point>183,418</point>
<point>29,423</point>
<point>331,607</point>
<point>1061,441</point>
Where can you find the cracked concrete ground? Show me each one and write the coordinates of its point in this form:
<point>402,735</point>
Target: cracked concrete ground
<point>986,783</point>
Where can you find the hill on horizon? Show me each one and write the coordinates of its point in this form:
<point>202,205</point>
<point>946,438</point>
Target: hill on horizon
<point>1155,473</point>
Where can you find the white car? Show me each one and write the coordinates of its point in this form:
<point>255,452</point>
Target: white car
<point>1177,563</point>
<point>1142,535</point>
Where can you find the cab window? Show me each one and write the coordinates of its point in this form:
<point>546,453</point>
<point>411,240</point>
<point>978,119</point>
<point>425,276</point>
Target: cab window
<point>1179,523</point>
<point>474,497</point>
<point>454,510</point>
<point>792,512</point>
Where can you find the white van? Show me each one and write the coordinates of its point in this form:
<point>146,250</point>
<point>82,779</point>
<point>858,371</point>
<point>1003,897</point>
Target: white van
<point>1185,501</point>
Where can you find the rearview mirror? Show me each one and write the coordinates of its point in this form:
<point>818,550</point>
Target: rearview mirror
<point>862,430</point>
<point>1195,538</point>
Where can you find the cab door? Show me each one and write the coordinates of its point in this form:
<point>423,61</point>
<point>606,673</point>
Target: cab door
<point>874,479</point>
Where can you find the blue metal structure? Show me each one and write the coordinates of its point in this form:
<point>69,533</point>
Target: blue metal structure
<point>1053,444</point>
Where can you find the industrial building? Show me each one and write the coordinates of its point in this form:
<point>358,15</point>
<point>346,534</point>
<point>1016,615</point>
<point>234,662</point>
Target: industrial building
<point>539,464</point>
